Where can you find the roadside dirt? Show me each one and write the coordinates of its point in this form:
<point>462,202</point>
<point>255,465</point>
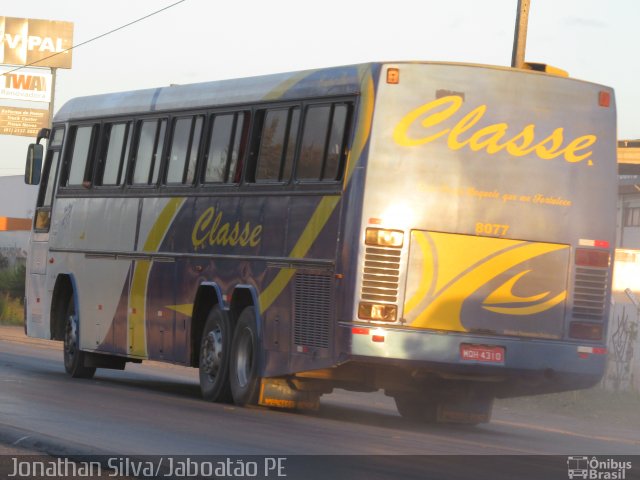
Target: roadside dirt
<point>614,409</point>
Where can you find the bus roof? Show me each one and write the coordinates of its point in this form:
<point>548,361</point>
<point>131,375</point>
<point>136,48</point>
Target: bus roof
<point>336,81</point>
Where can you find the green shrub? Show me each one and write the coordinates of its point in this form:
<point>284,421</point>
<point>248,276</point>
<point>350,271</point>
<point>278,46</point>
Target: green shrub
<point>12,295</point>
<point>11,311</point>
<point>12,282</point>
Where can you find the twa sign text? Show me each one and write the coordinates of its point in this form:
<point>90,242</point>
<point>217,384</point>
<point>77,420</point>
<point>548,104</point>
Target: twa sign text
<point>31,85</point>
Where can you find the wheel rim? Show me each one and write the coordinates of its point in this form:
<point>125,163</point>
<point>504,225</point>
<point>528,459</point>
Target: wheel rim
<point>212,353</point>
<point>244,358</point>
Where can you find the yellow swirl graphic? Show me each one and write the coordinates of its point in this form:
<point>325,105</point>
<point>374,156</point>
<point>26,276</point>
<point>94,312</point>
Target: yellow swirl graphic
<point>461,276</point>
<point>504,295</point>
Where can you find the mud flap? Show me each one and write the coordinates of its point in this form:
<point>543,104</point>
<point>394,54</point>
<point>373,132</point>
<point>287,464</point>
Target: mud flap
<point>277,392</point>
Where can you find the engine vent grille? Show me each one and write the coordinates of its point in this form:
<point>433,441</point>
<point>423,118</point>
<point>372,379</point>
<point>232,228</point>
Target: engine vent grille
<point>312,310</point>
<point>590,293</point>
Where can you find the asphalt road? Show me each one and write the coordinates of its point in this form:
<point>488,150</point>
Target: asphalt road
<point>156,409</point>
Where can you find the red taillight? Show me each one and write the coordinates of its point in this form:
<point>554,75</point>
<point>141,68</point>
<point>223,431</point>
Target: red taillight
<point>359,331</point>
<point>592,350</point>
<point>604,98</point>
<point>585,331</point>
<point>585,242</point>
<point>588,257</point>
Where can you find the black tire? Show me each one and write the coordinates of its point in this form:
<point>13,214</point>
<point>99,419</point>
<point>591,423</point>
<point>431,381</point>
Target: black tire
<point>243,371</point>
<point>413,407</point>
<point>73,356</point>
<point>215,348</point>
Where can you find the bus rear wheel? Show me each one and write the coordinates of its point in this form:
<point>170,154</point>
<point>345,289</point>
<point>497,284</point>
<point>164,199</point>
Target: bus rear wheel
<point>214,357</point>
<point>243,372</point>
<point>73,356</point>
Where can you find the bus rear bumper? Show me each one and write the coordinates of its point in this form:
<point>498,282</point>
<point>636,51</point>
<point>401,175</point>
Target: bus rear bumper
<point>520,366</point>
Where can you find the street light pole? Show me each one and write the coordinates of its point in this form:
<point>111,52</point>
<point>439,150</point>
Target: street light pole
<point>520,35</point>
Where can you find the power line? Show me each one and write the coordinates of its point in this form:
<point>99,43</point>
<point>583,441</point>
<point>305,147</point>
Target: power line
<point>96,38</point>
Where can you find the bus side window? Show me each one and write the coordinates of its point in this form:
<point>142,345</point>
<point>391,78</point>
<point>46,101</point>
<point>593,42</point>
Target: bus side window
<point>150,147</point>
<point>323,143</point>
<point>274,146</point>
<point>48,184</point>
<point>336,144</point>
<point>227,142</point>
<point>216,170</point>
<point>314,139</point>
<point>80,164</point>
<point>45,199</point>
<point>185,143</point>
<point>115,152</point>
<point>239,144</point>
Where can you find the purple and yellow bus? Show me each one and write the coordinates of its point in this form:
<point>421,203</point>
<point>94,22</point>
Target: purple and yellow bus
<point>442,232</point>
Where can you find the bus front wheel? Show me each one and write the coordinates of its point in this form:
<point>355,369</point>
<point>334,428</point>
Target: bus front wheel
<point>214,357</point>
<point>73,356</point>
<point>243,372</point>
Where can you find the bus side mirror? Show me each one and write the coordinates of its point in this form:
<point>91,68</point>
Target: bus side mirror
<point>33,169</point>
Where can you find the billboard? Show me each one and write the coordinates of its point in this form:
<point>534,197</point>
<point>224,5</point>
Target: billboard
<point>25,84</point>
<point>24,122</point>
<point>44,43</point>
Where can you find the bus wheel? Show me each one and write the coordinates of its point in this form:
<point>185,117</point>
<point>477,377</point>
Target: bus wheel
<point>214,357</point>
<point>243,373</point>
<point>414,407</point>
<point>73,356</point>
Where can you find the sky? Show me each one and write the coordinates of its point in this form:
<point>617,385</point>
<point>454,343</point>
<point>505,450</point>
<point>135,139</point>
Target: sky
<point>202,40</point>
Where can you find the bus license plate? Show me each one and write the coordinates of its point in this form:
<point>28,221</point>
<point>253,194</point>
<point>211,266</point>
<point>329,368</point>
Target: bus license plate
<point>482,353</point>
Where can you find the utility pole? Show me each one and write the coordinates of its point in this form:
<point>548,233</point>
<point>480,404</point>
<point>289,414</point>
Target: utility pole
<point>53,95</point>
<point>520,35</point>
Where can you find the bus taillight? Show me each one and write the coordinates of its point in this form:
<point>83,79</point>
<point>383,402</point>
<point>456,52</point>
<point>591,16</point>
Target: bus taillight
<point>377,312</point>
<point>588,257</point>
<point>384,238</point>
<point>585,331</point>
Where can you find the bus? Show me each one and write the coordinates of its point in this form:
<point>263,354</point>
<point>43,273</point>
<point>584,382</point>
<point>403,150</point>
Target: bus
<point>442,232</point>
